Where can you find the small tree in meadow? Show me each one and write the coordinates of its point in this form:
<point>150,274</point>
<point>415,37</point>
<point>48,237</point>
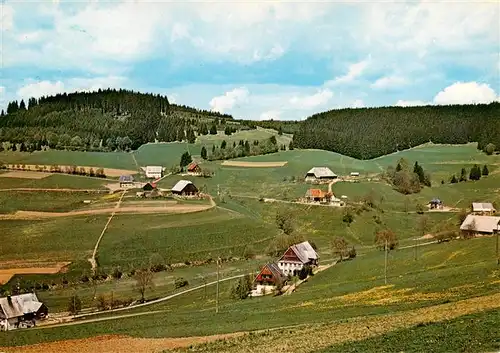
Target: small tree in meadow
<point>485,171</point>
<point>74,304</point>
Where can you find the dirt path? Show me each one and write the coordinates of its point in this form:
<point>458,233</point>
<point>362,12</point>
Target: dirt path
<point>92,260</point>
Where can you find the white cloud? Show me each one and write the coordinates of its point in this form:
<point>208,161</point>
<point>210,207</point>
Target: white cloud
<point>2,90</point>
<point>320,98</point>
<point>358,103</point>
<point>410,103</point>
<point>271,114</point>
<point>37,89</point>
<point>389,82</point>
<point>466,93</point>
<point>229,100</point>
<point>354,71</point>
<point>7,17</point>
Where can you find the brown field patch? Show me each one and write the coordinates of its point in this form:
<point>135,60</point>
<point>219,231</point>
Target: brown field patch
<point>24,175</point>
<point>116,344</point>
<point>253,164</point>
<point>30,215</point>
<point>25,268</point>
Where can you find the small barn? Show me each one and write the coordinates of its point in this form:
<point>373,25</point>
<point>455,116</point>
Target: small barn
<point>21,311</point>
<point>194,169</point>
<point>185,188</point>
<point>483,225</point>
<point>436,204</point>
<point>320,174</point>
<point>126,181</point>
<point>269,277</point>
<point>483,208</point>
<point>149,187</point>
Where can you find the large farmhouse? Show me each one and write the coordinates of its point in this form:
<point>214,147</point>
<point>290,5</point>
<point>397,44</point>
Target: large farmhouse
<point>486,225</point>
<point>320,174</point>
<point>185,188</point>
<point>154,171</point>
<point>296,257</point>
<point>268,279</point>
<point>20,310</point>
<point>483,208</point>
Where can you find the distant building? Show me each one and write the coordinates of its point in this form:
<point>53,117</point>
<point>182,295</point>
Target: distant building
<point>435,203</point>
<point>317,195</point>
<point>486,225</point>
<point>185,188</point>
<point>484,208</point>
<point>355,174</point>
<point>296,257</point>
<point>319,174</point>
<point>126,181</point>
<point>194,168</point>
<point>269,277</point>
<point>149,187</point>
<point>20,311</point>
<point>154,171</point>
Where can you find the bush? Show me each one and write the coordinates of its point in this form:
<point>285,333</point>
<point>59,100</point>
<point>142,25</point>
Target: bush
<point>74,305</point>
<point>352,253</point>
<point>180,282</point>
<point>117,274</point>
<point>101,302</point>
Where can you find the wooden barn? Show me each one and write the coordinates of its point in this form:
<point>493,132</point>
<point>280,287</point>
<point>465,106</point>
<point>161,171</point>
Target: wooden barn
<point>185,188</point>
<point>269,277</point>
<point>194,168</point>
<point>296,257</point>
<point>320,174</point>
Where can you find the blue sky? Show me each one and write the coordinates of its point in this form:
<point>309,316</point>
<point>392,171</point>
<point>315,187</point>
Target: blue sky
<point>257,59</point>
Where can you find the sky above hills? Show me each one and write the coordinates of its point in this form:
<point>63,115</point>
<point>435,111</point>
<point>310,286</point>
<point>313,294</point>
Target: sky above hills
<point>256,59</point>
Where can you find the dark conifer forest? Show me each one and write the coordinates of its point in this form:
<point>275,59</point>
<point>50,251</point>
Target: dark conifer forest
<point>108,120</point>
<point>371,132</point>
<point>103,120</point>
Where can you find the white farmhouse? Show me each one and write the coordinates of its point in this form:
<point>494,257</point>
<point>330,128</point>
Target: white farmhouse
<point>154,171</point>
<point>296,257</point>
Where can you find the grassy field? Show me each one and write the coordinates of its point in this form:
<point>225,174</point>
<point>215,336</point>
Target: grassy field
<point>444,273</point>
<point>250,135</point>
<point>54,181</point>
<point>469,333</point>
<point>131,241</point>
<point>61,239</point>
<point>43,201</point>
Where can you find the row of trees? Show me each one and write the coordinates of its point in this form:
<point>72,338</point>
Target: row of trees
<point>242,149</point>
<point>371,132</point>
<point>475,174</point>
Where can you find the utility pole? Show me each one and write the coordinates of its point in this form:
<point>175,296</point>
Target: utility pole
<point>217,290</point>
<point>385,263</point>
<point>498,233</point>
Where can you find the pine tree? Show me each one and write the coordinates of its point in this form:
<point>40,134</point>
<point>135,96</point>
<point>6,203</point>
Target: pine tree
<point>247,148</point>
<point>203,129</point>
<point>398,168</point>
<point>203,152</point>
<point>485,170</point>
<point>22,105</point>
<point>234,144</point>
<point>417,169</point>
<point>185,159</point>
<point>213,148</point>
<point>280,131</point>
<point>223,144</point>
<point>213,129</point>
<point>475,173</point>
<point>290,146</point>
<point>463,175</point>
<point>191,138</point>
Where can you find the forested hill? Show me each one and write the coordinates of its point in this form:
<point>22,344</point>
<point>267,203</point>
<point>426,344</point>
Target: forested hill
<point>101,120</point>
<point>371,132</point>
